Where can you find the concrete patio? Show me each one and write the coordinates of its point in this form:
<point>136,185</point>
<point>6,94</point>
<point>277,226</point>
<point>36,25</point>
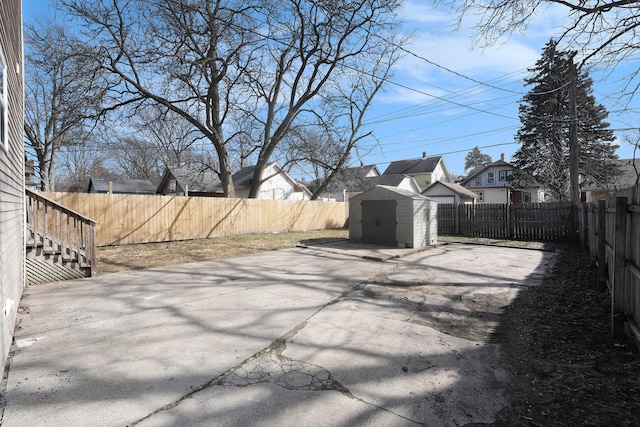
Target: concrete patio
<point>319,335</point>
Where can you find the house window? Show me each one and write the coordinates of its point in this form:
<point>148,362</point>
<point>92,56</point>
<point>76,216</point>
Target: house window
<point>4,140</point>
<point>478,181</point>
<point>526,197</point>
<point>480,195</point>
<point>504,175</point>
<point>491,177</point>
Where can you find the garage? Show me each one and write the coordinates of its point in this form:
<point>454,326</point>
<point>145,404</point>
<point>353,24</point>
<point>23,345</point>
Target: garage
<point>389,216</point>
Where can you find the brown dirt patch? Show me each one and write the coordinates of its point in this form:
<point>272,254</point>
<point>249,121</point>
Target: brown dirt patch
<point>134,257</point>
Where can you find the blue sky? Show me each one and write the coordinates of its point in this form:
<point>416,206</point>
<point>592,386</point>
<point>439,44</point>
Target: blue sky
<point>470,98</point>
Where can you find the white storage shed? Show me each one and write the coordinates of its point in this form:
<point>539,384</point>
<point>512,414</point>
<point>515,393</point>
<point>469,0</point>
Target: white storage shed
<point>390,216</point>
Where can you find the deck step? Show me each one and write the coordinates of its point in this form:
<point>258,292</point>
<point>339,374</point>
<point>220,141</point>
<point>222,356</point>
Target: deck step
<point>42,271</point>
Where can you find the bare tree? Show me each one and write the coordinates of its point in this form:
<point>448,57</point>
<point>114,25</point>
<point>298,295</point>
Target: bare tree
<point>602,30</point>
<point>79,162</point>
<point>186,55</point>
<point>242,72</point>
<point>63,92</point>
<point>156,137</point>
<point>315,53</point>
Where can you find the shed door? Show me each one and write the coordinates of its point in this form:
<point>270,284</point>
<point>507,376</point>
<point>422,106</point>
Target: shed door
<point>379,222</point>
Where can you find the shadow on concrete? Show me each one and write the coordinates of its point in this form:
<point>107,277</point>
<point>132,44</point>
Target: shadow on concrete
<point>294,337</point>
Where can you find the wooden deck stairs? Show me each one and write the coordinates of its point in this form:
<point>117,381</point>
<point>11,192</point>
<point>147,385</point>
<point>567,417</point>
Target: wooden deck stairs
<point>60,243</point>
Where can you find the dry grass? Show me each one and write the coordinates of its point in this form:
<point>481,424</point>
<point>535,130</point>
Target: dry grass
<point>567,370</point>
<point>134,257</point>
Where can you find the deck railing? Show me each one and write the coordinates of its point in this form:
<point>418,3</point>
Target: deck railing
<point>57,230</point>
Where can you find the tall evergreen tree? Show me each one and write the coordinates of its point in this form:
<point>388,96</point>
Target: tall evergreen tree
<point>476,159</point>
<point>544,133</point>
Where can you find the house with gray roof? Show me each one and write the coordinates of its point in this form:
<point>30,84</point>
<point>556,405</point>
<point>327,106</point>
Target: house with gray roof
<point>449,192</point>
<point>627,175</point>
<point>182,181</point>
<point>348,181</point>
<point>276,184</point>
<point>425,170</point>
<point>493,183</point>
<point>120,186</point>
<point>353,181</point>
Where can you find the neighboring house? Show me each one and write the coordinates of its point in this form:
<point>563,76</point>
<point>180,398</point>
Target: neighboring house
<point>426,170</point>
<point>402,182</point>
<point>123,186</point>
<point>629,177</point>
<point>348,181</point>
<point>276,184</point>
<point>182,181</point>
<point>12,171</point>
<point>353,181</point>
<point>449,192</point>
<point>493,184</point>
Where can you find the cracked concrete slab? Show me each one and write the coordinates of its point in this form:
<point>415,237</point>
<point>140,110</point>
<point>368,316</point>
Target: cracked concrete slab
<point>294,337</point>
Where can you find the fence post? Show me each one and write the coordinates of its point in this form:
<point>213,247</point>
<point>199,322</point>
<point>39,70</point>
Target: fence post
<point>457,214</point>
<point>601,254</point>
<point>573,226</point>
<point>620,256</point>
<point>584,239</point>
<point>509,228</point>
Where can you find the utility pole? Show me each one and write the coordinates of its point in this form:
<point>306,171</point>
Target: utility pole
<point>573,135</point>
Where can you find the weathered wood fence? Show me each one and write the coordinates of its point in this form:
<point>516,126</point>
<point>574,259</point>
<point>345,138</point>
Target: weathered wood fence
<point>126,219</point>
<point>521,221</point>
<point>611,230</point>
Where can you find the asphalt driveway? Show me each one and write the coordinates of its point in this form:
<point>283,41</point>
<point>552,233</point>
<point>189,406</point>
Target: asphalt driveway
<point>307,336</point>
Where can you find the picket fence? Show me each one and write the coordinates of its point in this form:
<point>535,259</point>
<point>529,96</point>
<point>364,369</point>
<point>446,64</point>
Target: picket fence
<point>126,219</point>
<point>611,230</point>
<point>522,221</point>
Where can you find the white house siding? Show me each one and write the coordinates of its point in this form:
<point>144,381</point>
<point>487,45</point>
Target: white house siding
<point>426,179</point>
<point>496,195</point>
<point>442,199</point>
<point>276,187</point>
<point>409,185</point>
<point>498,191</point>
<point>12,252</point>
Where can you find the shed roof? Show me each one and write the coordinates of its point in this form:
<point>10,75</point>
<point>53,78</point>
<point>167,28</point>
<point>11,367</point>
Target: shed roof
<point>396,190</point>
<point>413,166</point>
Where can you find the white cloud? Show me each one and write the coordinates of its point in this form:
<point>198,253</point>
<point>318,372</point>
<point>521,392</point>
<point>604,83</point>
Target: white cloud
<point>456,52</point>
<point>421,13</point>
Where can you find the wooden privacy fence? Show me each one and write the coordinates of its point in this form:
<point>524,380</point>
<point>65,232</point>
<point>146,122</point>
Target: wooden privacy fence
<point>125,219</point>
<point>522,221</point>
<point>611,230</point>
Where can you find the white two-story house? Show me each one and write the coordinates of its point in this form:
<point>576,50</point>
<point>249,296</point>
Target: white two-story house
<point>492,184</point>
